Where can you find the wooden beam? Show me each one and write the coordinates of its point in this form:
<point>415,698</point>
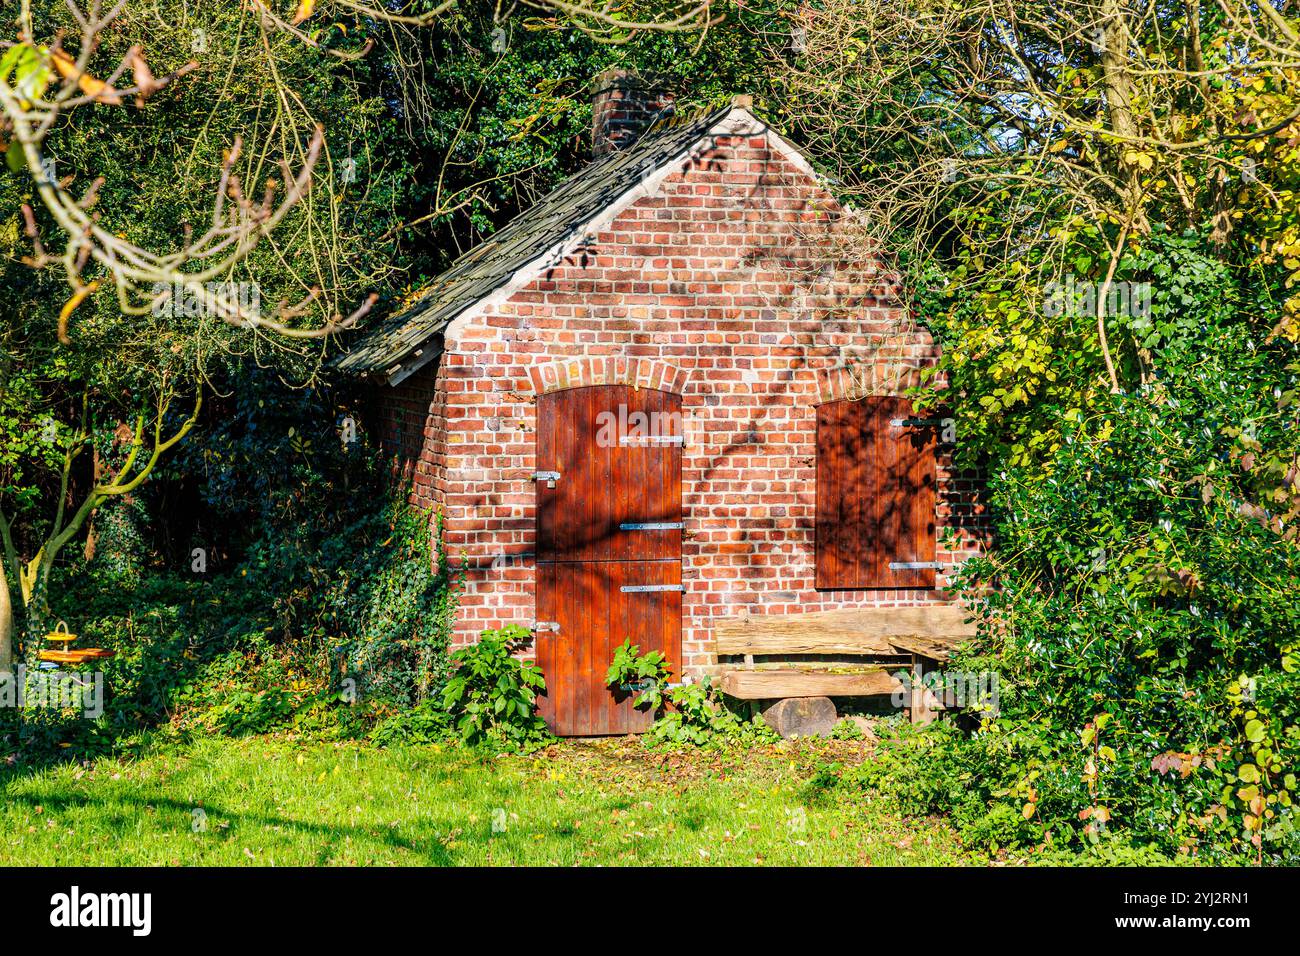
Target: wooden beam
<point>889,662</point>
<point>874,630</point>
<point>765,685</point>
<point>935,649</point>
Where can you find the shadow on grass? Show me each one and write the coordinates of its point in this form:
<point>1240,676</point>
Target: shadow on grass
<point>123,813</point>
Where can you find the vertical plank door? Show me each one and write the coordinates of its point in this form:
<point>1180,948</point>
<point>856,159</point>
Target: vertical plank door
<point>609,547</point>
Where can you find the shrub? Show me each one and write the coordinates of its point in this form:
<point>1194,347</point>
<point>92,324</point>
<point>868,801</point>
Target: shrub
<point>491,696</point>
<point>389,613</point>
<point>649,673</point>
<point>320,603</point>
<point>425,723</point>
<point>1133,603</point>
<point>1145,562</point>
<point>686,715</point>
<point>846,729</point>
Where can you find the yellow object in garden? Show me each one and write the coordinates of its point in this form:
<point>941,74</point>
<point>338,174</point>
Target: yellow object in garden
<point>60,634</point>
<point>63,652</point>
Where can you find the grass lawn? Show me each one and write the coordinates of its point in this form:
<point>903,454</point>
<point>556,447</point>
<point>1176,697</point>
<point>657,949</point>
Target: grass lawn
<point>268,801</point>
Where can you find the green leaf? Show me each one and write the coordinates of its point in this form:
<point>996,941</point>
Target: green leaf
<point>15,158</point>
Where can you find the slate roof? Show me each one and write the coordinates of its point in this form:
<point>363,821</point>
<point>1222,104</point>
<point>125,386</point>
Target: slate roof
<point>388,349</point>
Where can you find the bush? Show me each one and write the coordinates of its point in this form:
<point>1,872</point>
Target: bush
<point>1139,606</point>
<point>388,614</point>
<point>699,718</point>
<point>687,715</point>
<point>1133,603</point>
<point>491,697</point>
<point>322,606</point>
<point>424,723</point>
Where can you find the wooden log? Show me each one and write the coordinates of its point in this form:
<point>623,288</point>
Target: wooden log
<point>870,630</point>
<point>802,716</point>
<point>760,685</point>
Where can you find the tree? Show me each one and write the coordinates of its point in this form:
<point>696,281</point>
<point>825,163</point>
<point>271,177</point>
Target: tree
<point>1095,205</point>
<point>1014,149</point>
<point>147,444</point>
<point>109,164</point>
<point>510,115</point>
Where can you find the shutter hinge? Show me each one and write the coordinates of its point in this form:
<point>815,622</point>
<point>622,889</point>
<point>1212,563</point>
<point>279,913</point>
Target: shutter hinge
<point>634,440</point>
<point>543,626</point>
<point>914,565</point>
<point>550,477</point>
<point>637,686</point>
<point>651,526</point>
<point>916,422</point>
<point>642,588</point>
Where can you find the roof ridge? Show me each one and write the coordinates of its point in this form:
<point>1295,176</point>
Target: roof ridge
<point>548,224</point>
<point>669,123</point>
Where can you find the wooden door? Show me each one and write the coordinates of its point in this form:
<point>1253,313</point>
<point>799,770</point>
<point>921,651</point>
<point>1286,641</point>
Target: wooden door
<point>609,547</point>
<point>875,495</point>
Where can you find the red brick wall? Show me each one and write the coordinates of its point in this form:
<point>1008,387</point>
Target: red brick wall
<point>411,423</point>
<point>725,287</point>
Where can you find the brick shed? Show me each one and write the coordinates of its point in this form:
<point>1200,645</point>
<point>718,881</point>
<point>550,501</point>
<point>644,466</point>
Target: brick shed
<point>665,401</point>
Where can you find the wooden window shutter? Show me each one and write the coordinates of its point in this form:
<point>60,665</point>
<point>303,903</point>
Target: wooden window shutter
<point>875,495</point>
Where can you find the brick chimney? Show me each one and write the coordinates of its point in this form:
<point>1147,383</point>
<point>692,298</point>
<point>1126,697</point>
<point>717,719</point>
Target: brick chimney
<point>623,105</point>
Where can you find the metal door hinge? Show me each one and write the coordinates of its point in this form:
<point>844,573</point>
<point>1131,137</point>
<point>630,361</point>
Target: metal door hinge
<point>916,422</point>
<point>651,526</point>
<point>550,477</point>
<point>641,588</point>
<point>542,626</point>
<point>633,440</point>
<point>914,565</point>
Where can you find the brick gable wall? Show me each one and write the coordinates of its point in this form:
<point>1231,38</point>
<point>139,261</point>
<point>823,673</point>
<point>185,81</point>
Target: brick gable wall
<point>726,285</point>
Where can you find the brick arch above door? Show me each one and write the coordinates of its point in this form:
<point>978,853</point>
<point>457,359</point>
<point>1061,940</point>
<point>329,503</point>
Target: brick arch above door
<point>607,370</point>
<point>853,380</point>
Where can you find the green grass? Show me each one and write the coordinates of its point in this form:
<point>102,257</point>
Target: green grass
<point>276,801</point>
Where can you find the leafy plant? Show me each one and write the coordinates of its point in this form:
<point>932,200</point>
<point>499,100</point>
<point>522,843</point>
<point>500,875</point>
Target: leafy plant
<point>698,717</point>
<point>251,712</point>
<point>424,723</point>
<point>648,674</point>
<point>846,729</point>
<point>690,714</point>
<point>1258,785</point>
<point>492,695</point>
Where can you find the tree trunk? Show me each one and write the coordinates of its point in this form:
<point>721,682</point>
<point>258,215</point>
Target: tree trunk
<point>1114,38</point>
<point>6,624</point>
